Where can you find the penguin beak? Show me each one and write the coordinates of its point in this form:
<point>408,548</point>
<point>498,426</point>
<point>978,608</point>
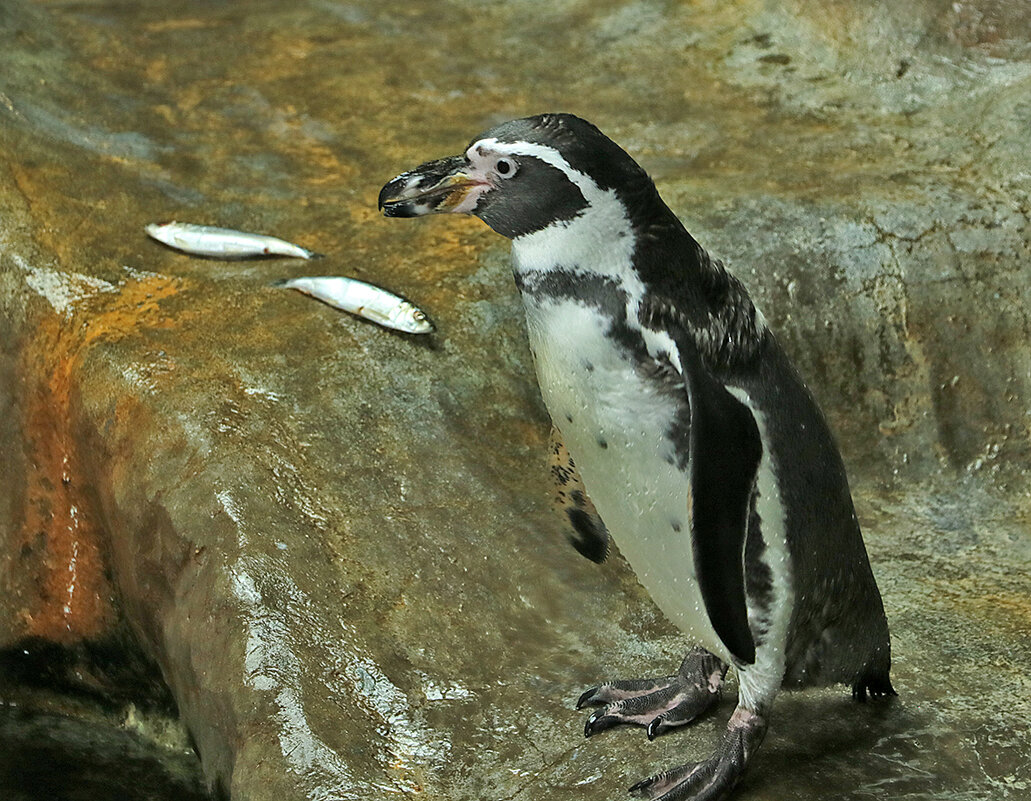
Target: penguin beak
<point>443,186</point>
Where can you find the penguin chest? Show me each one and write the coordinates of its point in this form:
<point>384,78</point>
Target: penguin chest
<point>618,422</point>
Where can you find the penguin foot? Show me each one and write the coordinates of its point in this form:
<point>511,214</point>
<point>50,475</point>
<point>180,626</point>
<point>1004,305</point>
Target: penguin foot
<point>661,703</point>
<point>717,776</point>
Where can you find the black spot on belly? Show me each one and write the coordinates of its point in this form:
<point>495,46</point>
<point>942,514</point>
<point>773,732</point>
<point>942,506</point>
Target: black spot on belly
<point>588,366</point>
<point>602,443</point>
<point>593,539</point>
<point>569,417</point>
<point>675,524</point>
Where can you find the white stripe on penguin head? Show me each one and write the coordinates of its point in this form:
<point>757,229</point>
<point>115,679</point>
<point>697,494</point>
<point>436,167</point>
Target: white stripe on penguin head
<point>548,155</point>
<point>600,241</point>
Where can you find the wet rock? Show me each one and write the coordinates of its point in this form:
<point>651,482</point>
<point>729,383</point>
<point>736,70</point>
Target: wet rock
<point>57,756</point>
<point>333,540</point>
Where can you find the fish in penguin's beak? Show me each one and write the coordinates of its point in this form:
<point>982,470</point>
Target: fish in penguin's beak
<point>445,185</point>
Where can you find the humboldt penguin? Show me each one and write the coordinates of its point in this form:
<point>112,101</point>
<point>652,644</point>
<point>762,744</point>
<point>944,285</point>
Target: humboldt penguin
<point>705,455</point>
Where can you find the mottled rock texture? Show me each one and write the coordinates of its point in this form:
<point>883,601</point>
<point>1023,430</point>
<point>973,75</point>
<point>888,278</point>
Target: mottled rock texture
<point>333,542</point>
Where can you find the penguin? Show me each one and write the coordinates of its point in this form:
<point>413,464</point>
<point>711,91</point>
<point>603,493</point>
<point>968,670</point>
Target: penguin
<point>707,459</point>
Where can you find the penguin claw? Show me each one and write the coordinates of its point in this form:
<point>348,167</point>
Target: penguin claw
<point>587,697</point>
<point>615,691</point>
<point>599,722</point>
<point>658,785</point>
<point>659,704</point>
<point>696,781</point>
<point>716,777</point>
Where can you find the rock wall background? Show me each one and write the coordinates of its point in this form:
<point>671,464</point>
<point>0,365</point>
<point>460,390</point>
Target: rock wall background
<point>332,543</point>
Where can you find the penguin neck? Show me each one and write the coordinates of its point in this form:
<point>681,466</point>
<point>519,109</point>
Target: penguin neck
<point>598,243</point>
<point>646,249</point>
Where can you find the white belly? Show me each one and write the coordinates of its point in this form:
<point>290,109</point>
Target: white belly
<point>616,426</point>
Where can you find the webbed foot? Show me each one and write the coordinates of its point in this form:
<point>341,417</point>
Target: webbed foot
<point>659,703</point>
<point>714,778</point>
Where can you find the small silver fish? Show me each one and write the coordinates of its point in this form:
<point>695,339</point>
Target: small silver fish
<point>223,243</point>
<point>365,300</point>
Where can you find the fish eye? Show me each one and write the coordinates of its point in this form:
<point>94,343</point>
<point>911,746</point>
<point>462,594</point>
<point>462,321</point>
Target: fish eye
<point>506,168</point>
<point>419,315</point>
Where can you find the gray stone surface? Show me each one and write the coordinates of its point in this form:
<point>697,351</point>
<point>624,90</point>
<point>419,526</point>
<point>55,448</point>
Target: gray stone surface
<point>335,540</point>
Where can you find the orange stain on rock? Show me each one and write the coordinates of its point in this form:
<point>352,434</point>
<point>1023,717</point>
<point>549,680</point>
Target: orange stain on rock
<point>69,596</point>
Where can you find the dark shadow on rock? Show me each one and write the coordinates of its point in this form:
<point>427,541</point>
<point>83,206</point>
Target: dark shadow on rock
<point>111,672</point>
<point>50,750</point>
<point>48,757</point>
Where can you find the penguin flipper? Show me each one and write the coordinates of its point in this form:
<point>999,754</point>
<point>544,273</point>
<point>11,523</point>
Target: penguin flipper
<point>589,536</point>
<point>725,451</point>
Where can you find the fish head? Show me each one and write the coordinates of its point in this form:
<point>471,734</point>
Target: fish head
<point>412,320</point>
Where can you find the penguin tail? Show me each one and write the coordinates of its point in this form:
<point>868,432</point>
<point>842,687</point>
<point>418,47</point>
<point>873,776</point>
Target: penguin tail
<point>876,685</point>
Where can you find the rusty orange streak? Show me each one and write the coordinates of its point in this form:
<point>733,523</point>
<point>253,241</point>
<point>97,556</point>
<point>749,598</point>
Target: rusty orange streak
<point>69,596</point>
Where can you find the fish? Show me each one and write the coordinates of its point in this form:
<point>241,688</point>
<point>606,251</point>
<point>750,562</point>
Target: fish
<point>365,300</point>
<point>223,243</point>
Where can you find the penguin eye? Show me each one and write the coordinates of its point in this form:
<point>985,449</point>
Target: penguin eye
<point>506,168</point>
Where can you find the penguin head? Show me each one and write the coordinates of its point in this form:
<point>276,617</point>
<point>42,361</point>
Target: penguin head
<point>521,177</point>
